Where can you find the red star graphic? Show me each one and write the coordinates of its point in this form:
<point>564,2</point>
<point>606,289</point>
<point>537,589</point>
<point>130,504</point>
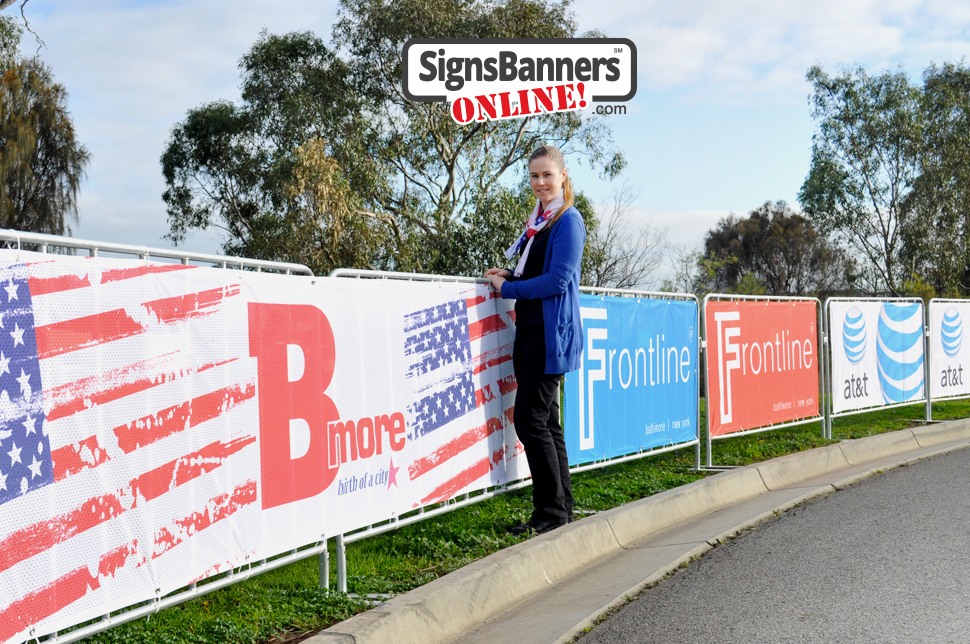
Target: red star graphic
<point>392,476</point>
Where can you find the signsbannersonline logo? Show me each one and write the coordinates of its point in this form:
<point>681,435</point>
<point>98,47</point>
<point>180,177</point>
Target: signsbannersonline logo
<point>491,79</point>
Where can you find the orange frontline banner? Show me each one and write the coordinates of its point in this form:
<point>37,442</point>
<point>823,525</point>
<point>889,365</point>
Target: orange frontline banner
<point>762,363</point>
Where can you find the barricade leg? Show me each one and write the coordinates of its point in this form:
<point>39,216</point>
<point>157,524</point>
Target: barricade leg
<point>341,564</point>
<point>324,561</point>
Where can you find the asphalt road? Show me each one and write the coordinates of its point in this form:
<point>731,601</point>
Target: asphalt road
<point>886,560</point>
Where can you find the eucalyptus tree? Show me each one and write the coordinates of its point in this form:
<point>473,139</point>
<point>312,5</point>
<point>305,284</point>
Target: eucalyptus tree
<point>441,172</point>
<point>41,161</point>
<point>277,172</point>
<point>936,230</point>
<point>421,183</point>
<point>865,160</point>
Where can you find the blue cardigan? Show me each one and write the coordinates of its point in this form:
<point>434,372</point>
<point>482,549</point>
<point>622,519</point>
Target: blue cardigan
<point>558,288</point>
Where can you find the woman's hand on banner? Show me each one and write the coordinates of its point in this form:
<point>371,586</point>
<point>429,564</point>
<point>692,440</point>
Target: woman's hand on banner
<point>497,276</point>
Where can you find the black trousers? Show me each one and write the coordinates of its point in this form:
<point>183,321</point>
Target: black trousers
<point>537,424</point>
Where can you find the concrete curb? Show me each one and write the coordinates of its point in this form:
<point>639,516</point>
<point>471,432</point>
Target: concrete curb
<point>445,609</point>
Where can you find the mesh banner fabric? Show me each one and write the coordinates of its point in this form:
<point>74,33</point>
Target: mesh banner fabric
<point>877,353</point>
<point>637,387</point>
<point>762,363</point>
<point>160,423</point>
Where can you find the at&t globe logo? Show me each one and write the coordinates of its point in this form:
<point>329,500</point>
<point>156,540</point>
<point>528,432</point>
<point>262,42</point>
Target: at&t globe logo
<point>899,351</point>
<point>854,335</point>
<point>951,332</point>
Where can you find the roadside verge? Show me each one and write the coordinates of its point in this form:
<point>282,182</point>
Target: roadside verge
<point>447,608</point>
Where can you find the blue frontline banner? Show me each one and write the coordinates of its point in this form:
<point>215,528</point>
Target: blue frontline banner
<point>637,387</point>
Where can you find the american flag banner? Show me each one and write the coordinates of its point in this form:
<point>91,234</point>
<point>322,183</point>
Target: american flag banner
<point>460,365</point>
<point>161,423</point>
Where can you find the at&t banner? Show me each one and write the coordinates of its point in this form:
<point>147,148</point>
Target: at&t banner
<point>637,388</point>
<point>762,363</point>
<point>949,357</point>
<point>877,353</point>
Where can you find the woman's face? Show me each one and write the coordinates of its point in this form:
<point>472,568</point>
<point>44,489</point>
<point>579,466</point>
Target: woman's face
<point>546,179</point>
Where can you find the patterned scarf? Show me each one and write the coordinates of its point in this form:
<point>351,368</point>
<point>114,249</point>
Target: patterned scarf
<point>536,223</point>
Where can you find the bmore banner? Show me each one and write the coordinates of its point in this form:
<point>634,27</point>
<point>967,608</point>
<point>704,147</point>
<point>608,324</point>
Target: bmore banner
<point>762,363</point>
<point>877,353</point>
<point>949,357</point>
<point>160,424</point>
<point>637,387</point>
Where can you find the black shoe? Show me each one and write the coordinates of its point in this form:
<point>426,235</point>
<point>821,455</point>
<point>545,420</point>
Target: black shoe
<point>539,526</point>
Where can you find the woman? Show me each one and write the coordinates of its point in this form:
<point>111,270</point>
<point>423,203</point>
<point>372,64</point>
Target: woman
<point>548,332</point>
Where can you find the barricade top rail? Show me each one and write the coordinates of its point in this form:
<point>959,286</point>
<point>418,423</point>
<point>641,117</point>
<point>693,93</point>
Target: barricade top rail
<point>950,300</point>
<point>415,277</point>
<point>875,299</point>
<point>146,252</point>
<point>428,277</point>
<point>830,300</point>
<point>761,298</point>
<point>593,290</point>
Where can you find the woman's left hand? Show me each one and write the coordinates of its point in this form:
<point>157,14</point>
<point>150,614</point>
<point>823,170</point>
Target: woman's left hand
<point>497,279</point>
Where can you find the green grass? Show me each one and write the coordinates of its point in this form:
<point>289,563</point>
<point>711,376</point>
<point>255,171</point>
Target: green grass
<point>284,604</point>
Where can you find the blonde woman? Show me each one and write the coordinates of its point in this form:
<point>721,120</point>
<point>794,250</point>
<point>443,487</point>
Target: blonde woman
<point>548,332</point>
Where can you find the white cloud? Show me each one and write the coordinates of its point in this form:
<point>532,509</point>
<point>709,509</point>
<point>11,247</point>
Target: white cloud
<point>751,51</point>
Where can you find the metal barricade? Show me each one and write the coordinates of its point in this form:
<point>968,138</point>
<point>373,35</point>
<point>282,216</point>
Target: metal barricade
<point>656,295</point>
<point>44,242</point>
<point>830,407</point>
<point>821,339</point>
<point>466,499</point>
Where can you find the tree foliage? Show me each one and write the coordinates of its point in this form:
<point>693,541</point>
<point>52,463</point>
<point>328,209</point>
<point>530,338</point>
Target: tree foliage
<point>267,171</point>
<point>41,161</point>
<point>427,194</point>
<point>864,163</point>
<point>936,227</point>
<point>773,251</point>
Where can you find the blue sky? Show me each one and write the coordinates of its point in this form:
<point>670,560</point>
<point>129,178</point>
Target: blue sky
<point>720,122</point>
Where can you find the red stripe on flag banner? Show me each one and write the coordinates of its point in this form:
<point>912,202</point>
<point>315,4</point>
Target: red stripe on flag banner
<point>61,593</point>
<point>507,385</point>
<point>177,418</point>
<point>70,282</point>
<point>27,542</point>
<point>118,274</point>
<point>73,397</point>
<point>79,395</point>
<point>483,327</point>
<point>481,299</point>
<point>47,285</point>
<point>454,447</point>
<point>510,416</point>
<point>217,509</point>
<point>71,459</point>
<point>491,358</point>
<point>453,485</point>
<point>71,335</point>
<point>484,395</point>
<point>185,307</point>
